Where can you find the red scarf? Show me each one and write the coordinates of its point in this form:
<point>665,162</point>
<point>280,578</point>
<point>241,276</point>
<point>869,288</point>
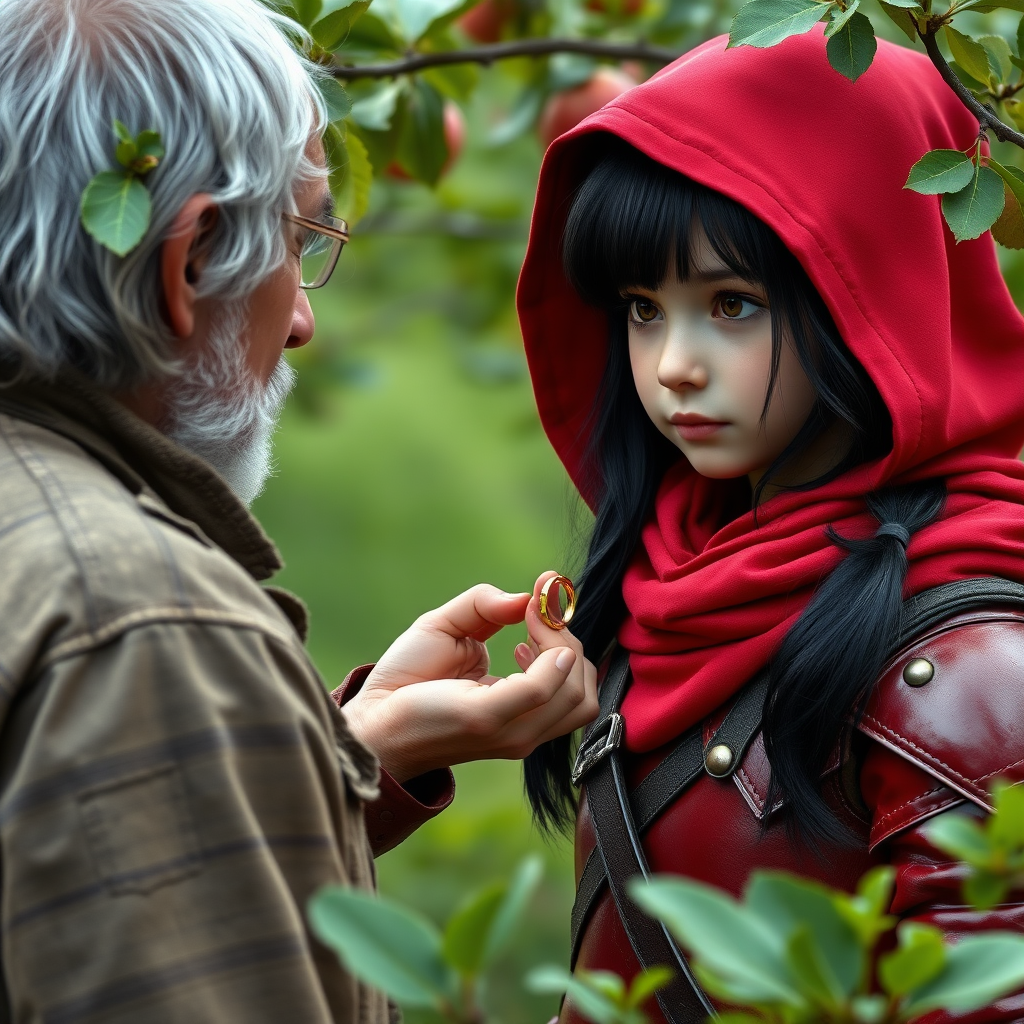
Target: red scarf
<point>822,161</point>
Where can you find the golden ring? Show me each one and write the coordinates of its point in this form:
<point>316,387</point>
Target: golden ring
<point>560,619</point>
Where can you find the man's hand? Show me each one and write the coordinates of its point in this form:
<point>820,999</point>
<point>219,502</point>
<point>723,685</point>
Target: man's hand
<point>429,702</point>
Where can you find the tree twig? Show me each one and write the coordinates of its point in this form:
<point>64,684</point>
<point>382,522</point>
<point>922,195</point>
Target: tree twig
<point>986,118</point>
<point>502,51</point>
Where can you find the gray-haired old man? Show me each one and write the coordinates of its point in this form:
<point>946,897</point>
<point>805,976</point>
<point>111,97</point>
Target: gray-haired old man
<point>175,781</point>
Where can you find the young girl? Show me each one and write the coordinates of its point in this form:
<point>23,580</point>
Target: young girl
<point>795,407</point>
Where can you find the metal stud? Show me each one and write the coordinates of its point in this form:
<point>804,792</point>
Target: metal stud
<point>718,760</point>
<point>918,672</point>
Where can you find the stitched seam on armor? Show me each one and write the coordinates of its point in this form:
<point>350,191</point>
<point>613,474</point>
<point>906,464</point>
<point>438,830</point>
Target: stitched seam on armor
<point>149,616</point>
<point>908,804</point>
<point>749,786</point>
<point>973,783</point>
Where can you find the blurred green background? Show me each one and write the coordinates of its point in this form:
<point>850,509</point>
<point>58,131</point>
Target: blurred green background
<point>412,465</point>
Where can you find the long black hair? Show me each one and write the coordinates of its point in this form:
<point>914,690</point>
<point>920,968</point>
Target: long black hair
<point>628,220</point>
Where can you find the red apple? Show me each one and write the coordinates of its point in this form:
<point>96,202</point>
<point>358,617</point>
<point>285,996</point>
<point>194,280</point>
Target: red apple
<point>566,109</point>
<point>484,23</point>
<point>454,138</point>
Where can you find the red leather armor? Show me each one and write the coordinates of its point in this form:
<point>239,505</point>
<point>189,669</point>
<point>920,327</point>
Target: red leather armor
<point>917,751</point>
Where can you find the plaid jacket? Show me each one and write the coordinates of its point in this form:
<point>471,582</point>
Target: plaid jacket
<point>175,782</point>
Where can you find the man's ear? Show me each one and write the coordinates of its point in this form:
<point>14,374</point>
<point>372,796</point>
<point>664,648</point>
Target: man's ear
<point>182,258</point>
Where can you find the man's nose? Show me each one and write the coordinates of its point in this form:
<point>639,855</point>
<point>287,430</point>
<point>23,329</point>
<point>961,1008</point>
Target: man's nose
<point>303,323</point>
<point>682,364</point>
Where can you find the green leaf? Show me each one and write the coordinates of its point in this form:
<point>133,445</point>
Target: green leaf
<point>352,191</point>
<point>126,153</point>
<point>869,1009</point>
<point>767,22</point>
<point>149,143</point>
<point>983,889</point>
<point>590,1002</point>
<point>816,979</point>
<point>941,170</point>
<point>115,210</point>
<point>608,984</point>
<point>1020,39</point>
<point>978,88</point>
<point>840,18</point>
<point>957,834</point>
<point>417,17</point>
<point>384,944</point>
<point>376,109</point>
<point>1014,111</point>
<point>520,118</point>
<point>979,970</point>
<point>646,983</point>
<point>336,20</point>
<point>1006,826</point>
<point>852,49</point>
<point>919,959</point>
<point>789,903</point>
<point>902,18</point>
<point>421,150</point>
<point>335,98</point>
<point>373,33</point>
<point>519,893</point>
<point>467,928</point>
<point>866,911</point>
<point>121,131</point>
<point>306,11</point>
<point>973,211</point>
<point>969,54</point>
<point>730,939</point>
<point>999,53</point>
<point>988,8</point>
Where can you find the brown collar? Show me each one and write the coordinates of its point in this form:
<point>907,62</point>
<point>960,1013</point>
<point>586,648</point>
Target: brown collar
<point>143,459</point>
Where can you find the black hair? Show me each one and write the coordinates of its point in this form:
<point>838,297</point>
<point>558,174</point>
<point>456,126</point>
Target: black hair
<point>628,219</point>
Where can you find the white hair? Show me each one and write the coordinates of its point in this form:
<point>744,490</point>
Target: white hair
<point>236,107</point>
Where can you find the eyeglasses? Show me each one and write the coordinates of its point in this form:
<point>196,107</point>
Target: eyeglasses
<point>321,248</point>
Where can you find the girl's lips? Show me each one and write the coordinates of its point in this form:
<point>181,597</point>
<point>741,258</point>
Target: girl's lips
<point>692,427</point>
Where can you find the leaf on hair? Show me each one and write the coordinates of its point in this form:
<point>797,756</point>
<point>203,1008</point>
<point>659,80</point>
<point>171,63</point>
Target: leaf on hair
<point>115,210</point>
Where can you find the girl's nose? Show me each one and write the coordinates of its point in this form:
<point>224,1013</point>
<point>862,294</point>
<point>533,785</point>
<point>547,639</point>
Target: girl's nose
<point>681,365</point>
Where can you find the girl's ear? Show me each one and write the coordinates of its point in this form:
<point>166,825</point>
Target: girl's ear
<point>183,256</point>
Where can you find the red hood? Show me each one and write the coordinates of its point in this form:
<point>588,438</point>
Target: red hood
<point>823,162</point>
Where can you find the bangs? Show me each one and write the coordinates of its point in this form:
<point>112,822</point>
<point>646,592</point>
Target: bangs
<point>633,218</point>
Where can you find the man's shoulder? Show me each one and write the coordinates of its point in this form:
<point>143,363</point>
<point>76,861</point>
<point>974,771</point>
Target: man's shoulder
<point>86,558</point>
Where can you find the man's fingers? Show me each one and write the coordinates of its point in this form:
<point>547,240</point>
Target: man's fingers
<point>478,612</point>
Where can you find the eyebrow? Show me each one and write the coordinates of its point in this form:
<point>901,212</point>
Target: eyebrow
<point>327,205</point>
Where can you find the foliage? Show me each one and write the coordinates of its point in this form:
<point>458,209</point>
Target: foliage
<point>393,125</point>
<point>602,996</point>
<point>795,951</point>
<point>993,849</point>
<point>978,193</point>
<point>406,956</point>
<point>115,206</point>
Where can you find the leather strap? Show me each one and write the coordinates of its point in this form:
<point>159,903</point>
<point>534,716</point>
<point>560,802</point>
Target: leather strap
<point>618,844</point>
<point>662,787</point>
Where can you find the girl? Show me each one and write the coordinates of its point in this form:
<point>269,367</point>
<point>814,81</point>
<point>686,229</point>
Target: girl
<point>795,407</point>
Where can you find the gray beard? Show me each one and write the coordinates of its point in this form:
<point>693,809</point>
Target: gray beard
<point>221,412</point>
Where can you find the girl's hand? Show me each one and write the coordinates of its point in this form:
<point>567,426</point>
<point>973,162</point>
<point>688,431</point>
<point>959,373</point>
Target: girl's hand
<point>541,637</point>
<point>429,702</point>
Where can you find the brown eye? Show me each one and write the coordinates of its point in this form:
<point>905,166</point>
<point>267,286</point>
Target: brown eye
<point>731,306</point>
<point>643,310</point>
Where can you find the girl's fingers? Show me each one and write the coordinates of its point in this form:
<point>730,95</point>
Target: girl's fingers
<point>524,656</point>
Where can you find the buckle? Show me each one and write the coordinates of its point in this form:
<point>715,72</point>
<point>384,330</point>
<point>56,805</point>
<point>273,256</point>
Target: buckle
<point>609,735</point>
